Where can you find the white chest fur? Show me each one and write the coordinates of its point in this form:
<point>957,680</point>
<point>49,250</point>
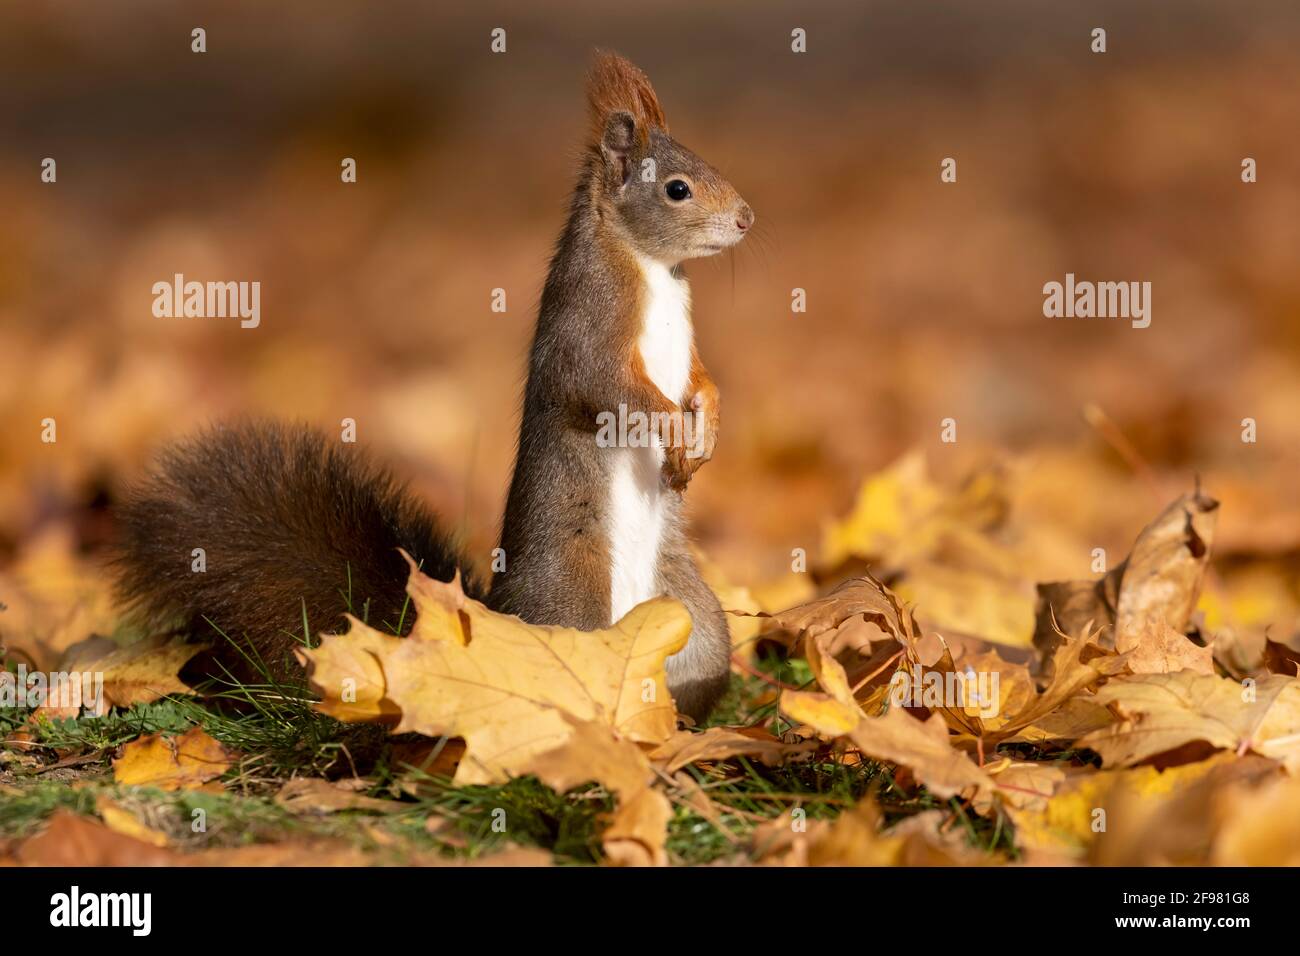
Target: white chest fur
<point>666,333</point>
<point>638,504</point>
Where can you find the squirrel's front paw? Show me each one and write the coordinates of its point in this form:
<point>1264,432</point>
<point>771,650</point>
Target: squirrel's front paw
<point>702,436</point>
<point>677,468</point>
<point>695,441</point>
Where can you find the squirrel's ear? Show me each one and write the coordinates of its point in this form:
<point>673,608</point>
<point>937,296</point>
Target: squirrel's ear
<point>616,145</point>
<point>614,84</point>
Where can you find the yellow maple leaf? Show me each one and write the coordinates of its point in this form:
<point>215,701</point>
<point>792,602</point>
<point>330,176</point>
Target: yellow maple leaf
<point>510,689</point>
<point>138,673</point>
<point>187,762</point>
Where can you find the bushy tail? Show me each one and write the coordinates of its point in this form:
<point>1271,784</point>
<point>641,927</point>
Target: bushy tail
<point>286,519</point>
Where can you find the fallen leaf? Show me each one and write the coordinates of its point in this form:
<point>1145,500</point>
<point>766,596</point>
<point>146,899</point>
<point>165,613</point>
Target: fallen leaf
<point>1025,786</point>
<point>923,747</point>
<point>1163,712</point>
<point>316,852</point>
<point>1071,720</point>
<point>820,712</point>
<point>945,688</point>
<point>1281,658</point>
<point>187,762</point>
<point>314,795</point>
<point>833,711</point>
<point>71,840</point>
<point>1175,827</point>
<point>121,820</point>
<point>509,855</point>
<point>348,673</point>
<point>864,597</point>
<point>1163,573</point>
<point>1077,665</point>
<point>930,838</point>
<point>1136,604</point>
<point>856,838</point>
<point>422,756</point>
<point>51,598</point>
<point>1015,687</point>
<point>1153,647</point>
<point>507,688</point>
<point>593,752</point>
<point>138,673</point>
<point>720,743</point>
<point>636,832</point>
<point>1068,821</point>
<point>1072,608</point>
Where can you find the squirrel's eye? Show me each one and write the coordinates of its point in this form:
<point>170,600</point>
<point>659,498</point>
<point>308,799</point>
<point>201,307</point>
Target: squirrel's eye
<point>677,190</point>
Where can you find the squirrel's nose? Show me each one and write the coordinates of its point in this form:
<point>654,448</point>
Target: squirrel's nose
<point>744,218</point>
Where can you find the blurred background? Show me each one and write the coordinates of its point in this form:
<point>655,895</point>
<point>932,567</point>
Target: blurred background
<point>924,299</point>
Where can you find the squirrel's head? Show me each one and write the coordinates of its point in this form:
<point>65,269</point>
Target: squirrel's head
<point>666,201</point>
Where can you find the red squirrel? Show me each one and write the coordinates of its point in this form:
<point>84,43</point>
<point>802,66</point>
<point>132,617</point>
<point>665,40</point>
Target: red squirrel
<point>295,527</point>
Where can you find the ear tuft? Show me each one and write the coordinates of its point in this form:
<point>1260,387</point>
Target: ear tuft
<point>615,85</point>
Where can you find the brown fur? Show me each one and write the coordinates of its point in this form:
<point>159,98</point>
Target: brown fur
<point>291,523</point>
<point>613,85</point>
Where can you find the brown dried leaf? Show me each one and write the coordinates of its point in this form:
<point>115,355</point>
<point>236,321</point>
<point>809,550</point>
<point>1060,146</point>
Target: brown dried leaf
<point>314,795</point>
<point>923,747</point>
<point>864,597</point>
<point>1076,666</point>
<point>855,838</point>
<point>1025,786</point>
<point>1162,576</point>
<point>636,833</point>
<point>1163,712</point>
<point>719,743</point>
<point>1153,647</point>
<point>1281,658</point>
<point>76,841</point>
<point>1155,588</point>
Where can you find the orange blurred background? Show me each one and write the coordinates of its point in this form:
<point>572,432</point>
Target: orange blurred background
<point>924,298</point>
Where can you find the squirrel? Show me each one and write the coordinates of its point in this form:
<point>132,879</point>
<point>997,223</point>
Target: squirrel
<point>299,529</point>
